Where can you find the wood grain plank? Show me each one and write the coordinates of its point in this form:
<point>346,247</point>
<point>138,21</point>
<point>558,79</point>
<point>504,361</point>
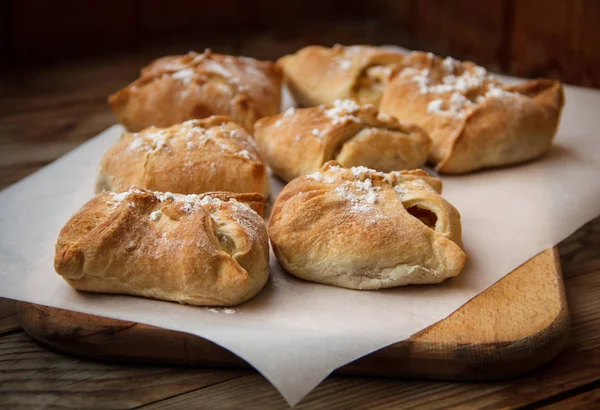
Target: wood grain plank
<point>53,126</point>
<point>47,29</point>
<point>69,82</point>
<point>10,175</point>
<point>334,393</point>
<point>33,376</point>
<point>66,28</point>
<point>523,303</point>
<point>25,148</point>
<point>579,252</point>
<point>9,322</point>
<point>9,325</point>
<point>587,400</point>
<point>467,29</point>
<point>8,307</point>
<point>345,392</point>
<point>174,19</point>
<point>562,42</point>
<point>4,27</point>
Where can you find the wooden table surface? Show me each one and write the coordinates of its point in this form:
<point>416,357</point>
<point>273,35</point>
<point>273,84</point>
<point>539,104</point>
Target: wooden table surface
<point>48,110</point>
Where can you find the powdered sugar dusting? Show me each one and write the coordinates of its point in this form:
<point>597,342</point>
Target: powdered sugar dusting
<point>165,196</point>
<point>217,68</point>
<point>435,106</point>
<point>406,187</point>
<point>357,171</point>
<point>137,144</point>
<point>151,140</point>
<point>190,202</point>
<point>463,83</point>
<point>360,189</point>
<point>207,65</point>
<point>454,107</point>
<point>287,115</point>
<point>383,117</point>
<point>499,93</point>
<point>382,71</point>
<point>155,215</point>
<point>344,65</point>
<point>342,111</point>
<point>191,123</point>
<point>365,185</point>
<point>473,81</point>
<point>448,64</point>
<point>186,75</point>
<point>316,176</point>
<point>120,197</point>
<point>362,194</point>
<point>189,207</point>
<point>401,190</point>
<point>223,212</point>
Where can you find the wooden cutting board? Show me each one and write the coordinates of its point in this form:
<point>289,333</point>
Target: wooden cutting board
<point>518,324</point>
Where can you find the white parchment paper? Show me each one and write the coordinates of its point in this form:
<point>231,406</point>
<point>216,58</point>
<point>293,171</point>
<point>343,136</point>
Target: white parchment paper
<point>295,333</point>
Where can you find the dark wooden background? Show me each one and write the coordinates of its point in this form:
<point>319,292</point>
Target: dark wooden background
<point>530,38</point>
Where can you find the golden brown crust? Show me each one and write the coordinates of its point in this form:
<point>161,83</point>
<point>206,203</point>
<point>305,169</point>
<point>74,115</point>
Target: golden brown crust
<point>474,120</point>
<point>319,75</point>
<point>208,250</point>
<point>213,154</point>
<point>299,142</point>
<point>361,229</point>
<point>174,89</point>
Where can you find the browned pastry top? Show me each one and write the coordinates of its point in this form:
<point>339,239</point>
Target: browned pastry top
<point>174,89</point>
<point>213,154</point>
<point>300,141</point>
<point>209,249</point>
<point>362,229</point>
<point>319,75</point>
<point>474,120</point>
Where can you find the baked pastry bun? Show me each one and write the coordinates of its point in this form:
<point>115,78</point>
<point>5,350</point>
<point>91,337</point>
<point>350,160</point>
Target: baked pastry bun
<point>361,229</point>
<point>178,88</point>
<point>474,120</point>
<point>319,75</point>
<point>300,141</point>
<point>213,154</point>
<point>207,250</point>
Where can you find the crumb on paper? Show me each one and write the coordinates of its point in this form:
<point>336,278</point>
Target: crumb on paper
<point>227,311</point>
